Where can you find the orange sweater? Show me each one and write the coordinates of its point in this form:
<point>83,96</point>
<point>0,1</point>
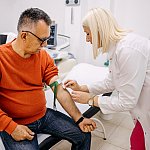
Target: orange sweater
<point>22,99</point>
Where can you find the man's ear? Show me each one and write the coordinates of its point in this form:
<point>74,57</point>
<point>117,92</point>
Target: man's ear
<point>23,36</point>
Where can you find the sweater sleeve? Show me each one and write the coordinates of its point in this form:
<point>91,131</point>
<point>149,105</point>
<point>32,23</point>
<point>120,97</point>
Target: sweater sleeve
<point>50,69</point>
<point>6,123</point>
<point>129,83</point>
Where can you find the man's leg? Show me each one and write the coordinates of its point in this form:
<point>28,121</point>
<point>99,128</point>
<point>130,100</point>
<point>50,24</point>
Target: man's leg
<point>11,144</point>
<point>60,125</point>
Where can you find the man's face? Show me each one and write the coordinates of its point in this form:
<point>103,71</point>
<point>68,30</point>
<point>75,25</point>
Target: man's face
<point>36,40</point>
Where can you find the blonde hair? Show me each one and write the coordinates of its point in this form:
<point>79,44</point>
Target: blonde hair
<point>102,23</point>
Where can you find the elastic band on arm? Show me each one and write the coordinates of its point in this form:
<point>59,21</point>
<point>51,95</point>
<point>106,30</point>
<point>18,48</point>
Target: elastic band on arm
<point>55,84</point>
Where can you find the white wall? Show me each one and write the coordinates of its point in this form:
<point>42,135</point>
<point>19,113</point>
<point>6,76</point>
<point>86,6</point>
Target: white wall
<point>133,14</point>
<point>57,11</point>
<point>79,47</point>
<point>10,11</point>
<point>74,28</point>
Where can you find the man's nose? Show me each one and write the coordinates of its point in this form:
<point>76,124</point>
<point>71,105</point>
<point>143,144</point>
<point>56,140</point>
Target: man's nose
<point>44,44</point>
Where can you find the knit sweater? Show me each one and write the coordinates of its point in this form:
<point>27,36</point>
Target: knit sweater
<point>22,99</point>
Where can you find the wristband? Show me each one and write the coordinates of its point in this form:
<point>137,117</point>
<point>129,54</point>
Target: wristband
<point>80,120</point>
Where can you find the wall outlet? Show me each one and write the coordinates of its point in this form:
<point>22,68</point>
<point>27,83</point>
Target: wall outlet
<point>72,2</point>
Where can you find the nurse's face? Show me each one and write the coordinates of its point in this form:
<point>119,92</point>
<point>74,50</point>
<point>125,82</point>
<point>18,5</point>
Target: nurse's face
<point>88,34</point>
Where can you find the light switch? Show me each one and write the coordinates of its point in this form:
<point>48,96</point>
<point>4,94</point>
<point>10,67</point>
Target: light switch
<point>72,2</point>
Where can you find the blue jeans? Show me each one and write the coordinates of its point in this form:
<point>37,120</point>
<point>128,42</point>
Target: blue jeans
<point>56,124</point>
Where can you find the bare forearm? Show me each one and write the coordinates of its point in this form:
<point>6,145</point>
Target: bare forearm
<point>84,88</point>
<point>67,103</point>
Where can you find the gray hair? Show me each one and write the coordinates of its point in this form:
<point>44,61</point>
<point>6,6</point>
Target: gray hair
<point>30,17</point>
<point>102,23</point>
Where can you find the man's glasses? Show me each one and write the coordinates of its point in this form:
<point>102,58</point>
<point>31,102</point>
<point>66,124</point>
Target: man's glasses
<point>40,39</point>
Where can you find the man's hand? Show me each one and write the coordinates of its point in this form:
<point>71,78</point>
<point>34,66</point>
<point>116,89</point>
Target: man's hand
<point>22,132</point>
<point>72,84</point>
<point>87,125</point>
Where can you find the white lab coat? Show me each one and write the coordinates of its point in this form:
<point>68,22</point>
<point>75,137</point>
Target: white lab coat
<point>129,75</point>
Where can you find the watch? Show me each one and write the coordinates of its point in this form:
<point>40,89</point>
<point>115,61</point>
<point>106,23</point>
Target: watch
<point>91,102</point>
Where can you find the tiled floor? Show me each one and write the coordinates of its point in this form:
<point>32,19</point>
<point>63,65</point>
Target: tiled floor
<point>118,131</point>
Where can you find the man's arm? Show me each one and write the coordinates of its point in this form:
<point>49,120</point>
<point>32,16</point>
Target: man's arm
<point>64,98</point>
<point>18,132</point>
<point>66,101</point>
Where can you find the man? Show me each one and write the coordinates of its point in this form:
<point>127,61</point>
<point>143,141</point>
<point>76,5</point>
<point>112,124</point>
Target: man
<point>24,67</point>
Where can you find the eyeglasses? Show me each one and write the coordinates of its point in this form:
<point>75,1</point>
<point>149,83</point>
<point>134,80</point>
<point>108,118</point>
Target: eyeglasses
<point>40,39</point>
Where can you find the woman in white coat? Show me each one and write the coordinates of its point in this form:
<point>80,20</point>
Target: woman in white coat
<point>129,74</point>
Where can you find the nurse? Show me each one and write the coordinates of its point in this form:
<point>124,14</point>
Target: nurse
<point>129,74</point>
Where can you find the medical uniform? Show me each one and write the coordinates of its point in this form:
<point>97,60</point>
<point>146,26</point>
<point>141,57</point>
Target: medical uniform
<point>129,76</point>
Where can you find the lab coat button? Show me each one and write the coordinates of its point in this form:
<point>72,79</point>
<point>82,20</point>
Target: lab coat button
<point>138,117</point>
<point>110,71</point>
<point>145,133</point>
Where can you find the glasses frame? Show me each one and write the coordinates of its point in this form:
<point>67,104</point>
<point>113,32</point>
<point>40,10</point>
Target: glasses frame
<point>40,39</point>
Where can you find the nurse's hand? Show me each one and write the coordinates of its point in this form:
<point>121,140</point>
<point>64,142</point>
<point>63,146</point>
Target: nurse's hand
<point>72,84</point>
<point>80,97</point>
